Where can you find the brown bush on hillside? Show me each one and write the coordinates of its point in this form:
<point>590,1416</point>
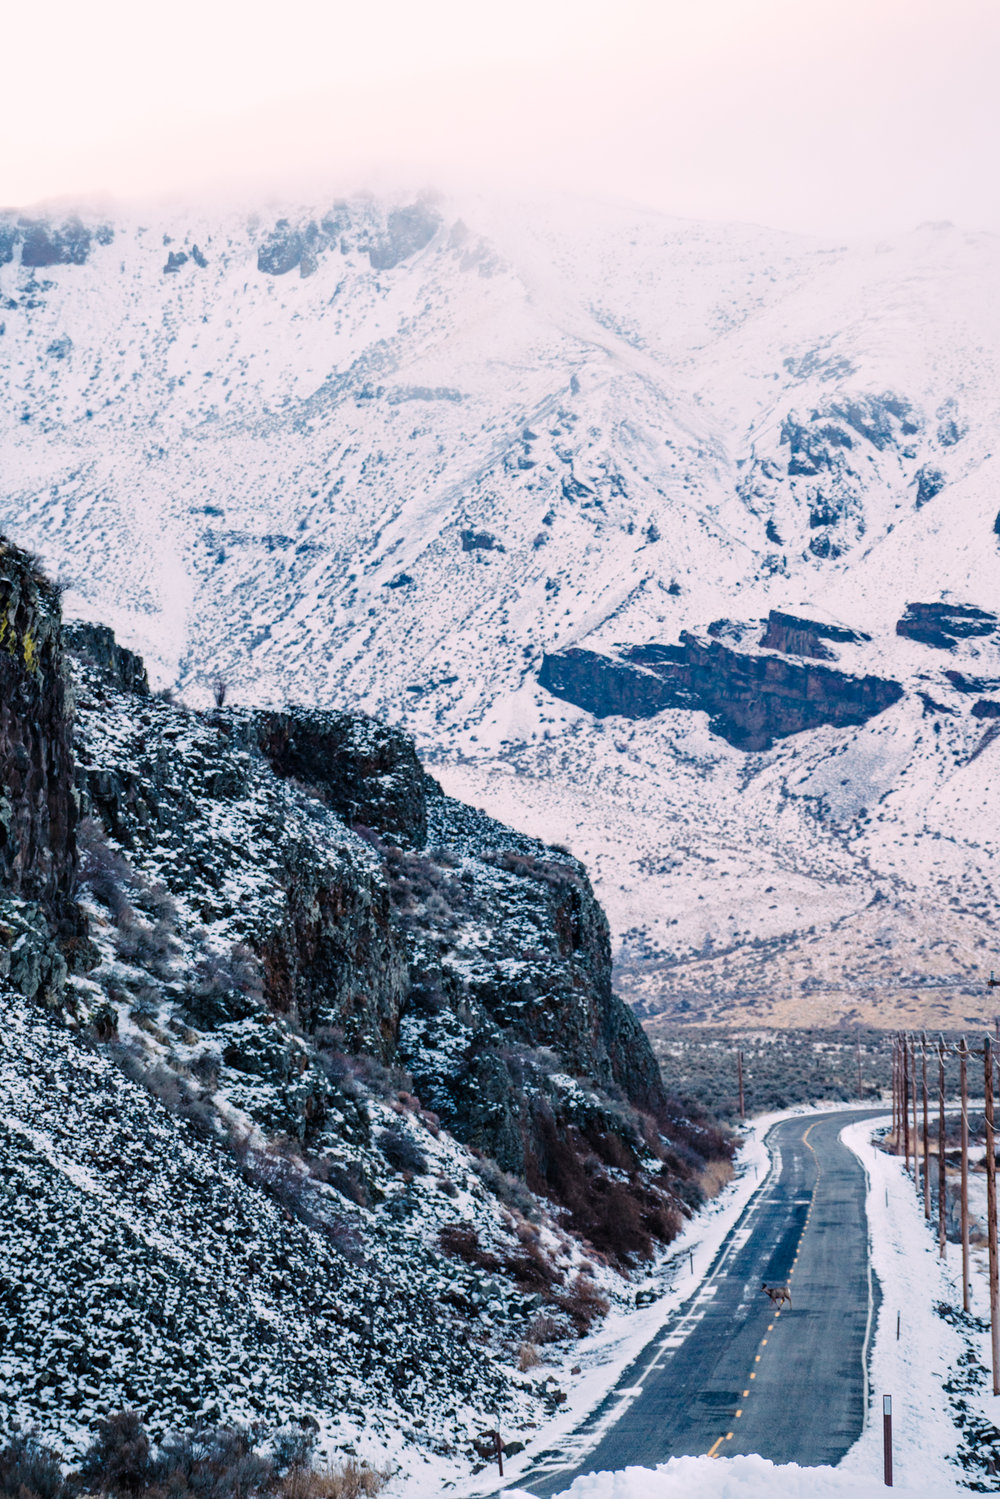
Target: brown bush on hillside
<point>462,1240</point>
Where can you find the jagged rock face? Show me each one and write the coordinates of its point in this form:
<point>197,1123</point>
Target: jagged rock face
<point>822,466</point>
<point>962,682</point>
<point>751,700</point>
<point>242,850</point>
<point>441,940</point>
<point>537,971</point>
<point>388,238</point>
<point>475,957</point>
<point>794,636</point>
<point>482,961</point>
<point>511,1030</point>
<point>97,645</point>
<point>38,813</point>
<point>30,962</point>
<point>43,242</point>
<point>604,686</point>
<point>943,625</point>
<point>367,772</point>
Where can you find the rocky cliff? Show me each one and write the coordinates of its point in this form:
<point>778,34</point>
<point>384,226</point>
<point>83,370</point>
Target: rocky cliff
<point>795,636</point>
<point>326,1004</point>
<point>37,808</point>
<point>943,625</point>
<point>751,699</point>
<point>41,926</point>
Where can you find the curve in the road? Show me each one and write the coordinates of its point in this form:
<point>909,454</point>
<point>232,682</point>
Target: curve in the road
<point>729,1372</point>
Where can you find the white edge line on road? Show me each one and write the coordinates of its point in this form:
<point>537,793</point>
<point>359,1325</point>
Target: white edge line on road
<point>866,1345</point>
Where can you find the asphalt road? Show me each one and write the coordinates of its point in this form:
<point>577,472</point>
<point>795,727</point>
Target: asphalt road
<point>730,1373</point>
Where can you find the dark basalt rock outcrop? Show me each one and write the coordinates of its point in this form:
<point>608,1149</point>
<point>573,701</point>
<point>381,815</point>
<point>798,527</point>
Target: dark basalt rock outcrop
<point>823,461</point>
<point>407,230</point>
<point>481,541</point>
<point>233,893</point>
<point>986,708</point>
<point>794,636</point>
<point>43,244</point>
<point>751,700</point>
<point>944,625</point>
<point>262,976</point>
<point>281,251</point>
<point>386,239</point>
<point>964,683</point>
<point>96,644</point>
<point>930,482</point>
<point>38,813</point>
<point>46,242</point>
<point>367,772</point>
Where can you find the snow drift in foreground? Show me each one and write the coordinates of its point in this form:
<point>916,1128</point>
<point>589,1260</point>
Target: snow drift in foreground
<point>735,1478</point>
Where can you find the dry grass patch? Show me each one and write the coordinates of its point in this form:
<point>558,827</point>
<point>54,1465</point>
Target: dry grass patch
<point>527,1357</point>
<point>716,1175</point>
<point>348,1480</point>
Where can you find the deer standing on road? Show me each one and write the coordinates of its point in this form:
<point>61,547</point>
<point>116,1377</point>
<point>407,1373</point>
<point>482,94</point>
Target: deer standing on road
<point>778,1294</point>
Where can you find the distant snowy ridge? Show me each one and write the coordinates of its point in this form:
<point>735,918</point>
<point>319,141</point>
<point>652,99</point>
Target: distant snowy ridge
<point>388,455</point>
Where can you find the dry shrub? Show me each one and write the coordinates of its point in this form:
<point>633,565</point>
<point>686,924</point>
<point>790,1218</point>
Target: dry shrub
<point>29,1470</point>
<point>103,869</point>
<point>617,1217</point>
<point>402,1151</point>
<point>462,1240</point>
<point>118,1460</point>
<point>211,1463</point>
<point>545,1329</point>
<point>716,1175</point>
<point>533,1270</point>
<point>527,1357</point>
<point>583,1304</point>
<point>348,1480</point>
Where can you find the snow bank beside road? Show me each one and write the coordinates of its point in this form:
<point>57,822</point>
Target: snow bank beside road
<point>738,1478</point>
<point>912,1368</point>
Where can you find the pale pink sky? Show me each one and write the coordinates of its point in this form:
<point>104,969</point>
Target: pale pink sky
<point>805,114</point>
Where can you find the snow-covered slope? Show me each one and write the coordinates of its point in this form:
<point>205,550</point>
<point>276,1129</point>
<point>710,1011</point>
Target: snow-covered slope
<point>388,455</point>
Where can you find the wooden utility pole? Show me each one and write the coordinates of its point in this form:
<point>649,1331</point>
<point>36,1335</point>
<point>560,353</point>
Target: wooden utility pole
<point>963,1054</point>
<point>857,1048</point>
<point>927,1134</point>
<point>906,1099</point>
<point>895,1095</point>
<point>739,1077</point>
<point>941,1163</point>
<point>916,1131</point>
<point>991,1212</point>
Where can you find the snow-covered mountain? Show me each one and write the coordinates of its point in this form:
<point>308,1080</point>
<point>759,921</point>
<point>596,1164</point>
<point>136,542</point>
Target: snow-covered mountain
<point>390,455</point>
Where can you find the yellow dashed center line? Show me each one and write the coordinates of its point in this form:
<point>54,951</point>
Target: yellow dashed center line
<point>713,1451</point>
